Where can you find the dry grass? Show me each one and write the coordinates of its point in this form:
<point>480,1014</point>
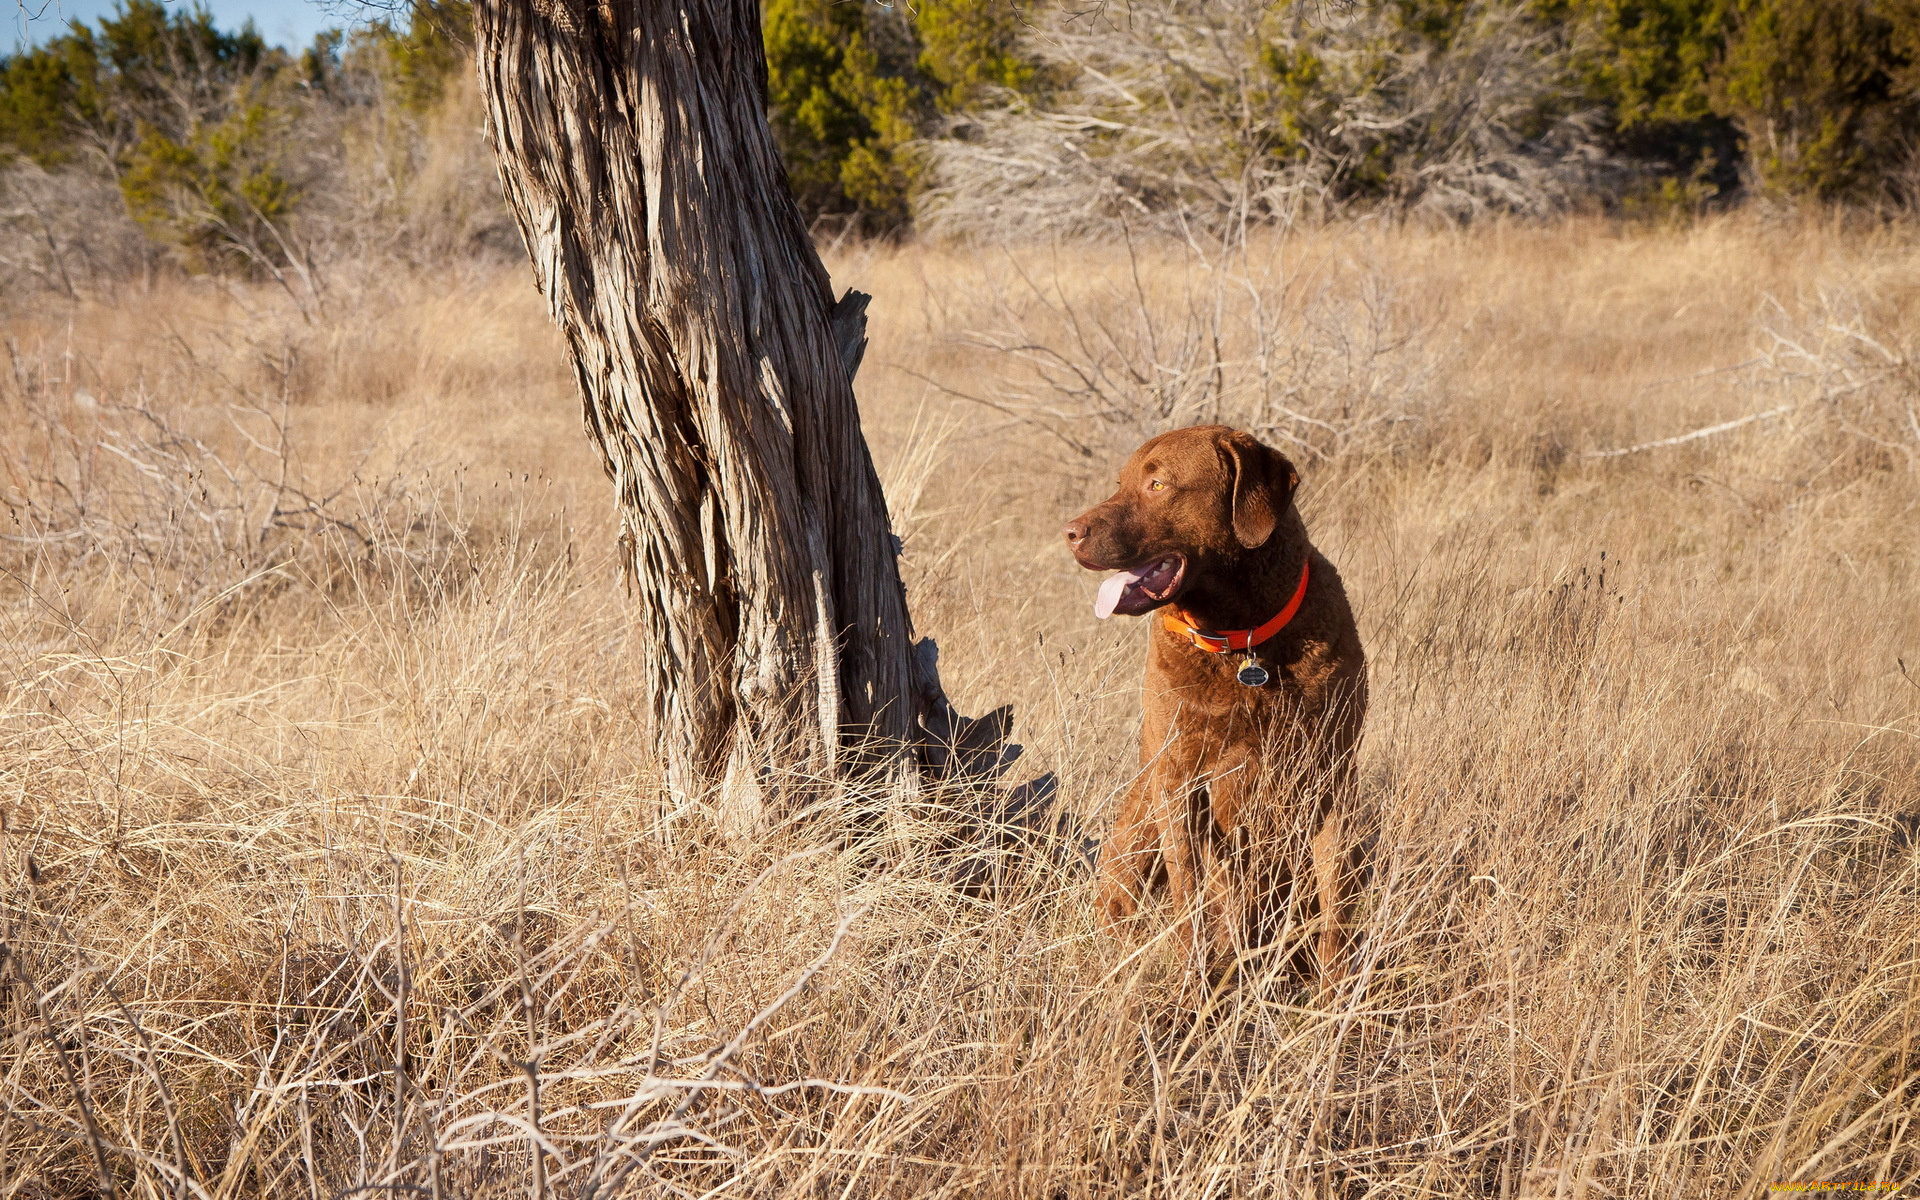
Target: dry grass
<point>335,864</point>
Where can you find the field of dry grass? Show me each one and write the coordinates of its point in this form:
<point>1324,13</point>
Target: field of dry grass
<point>335,864</point>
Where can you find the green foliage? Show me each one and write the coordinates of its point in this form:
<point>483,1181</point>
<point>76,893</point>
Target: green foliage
<point>1824,92</point>
<point>148,65</point>
<point>186,117</point>
<point>199,127</point>
<point>1368,107</point>
<point>1812,98</point>
<point>205,131</point>
<point>971,47</point>
<point>843,106</point>
<point>1298,97</point>
<point>1652,59</point>
<point>1434,23</point>
<point>437,42</point>
<point>36,93</point>
<point>1301,102</point>
<point>320,62</point>
<point>1650,64</point>
<point>852,87</point>
<point>216,194</point>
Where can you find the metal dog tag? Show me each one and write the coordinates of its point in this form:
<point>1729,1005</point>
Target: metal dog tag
<point>1252,673</point>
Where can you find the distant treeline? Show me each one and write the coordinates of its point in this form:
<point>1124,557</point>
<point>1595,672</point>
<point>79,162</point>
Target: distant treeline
<point>219,146</point>
<point>988,116</point>
<point>972,112</point>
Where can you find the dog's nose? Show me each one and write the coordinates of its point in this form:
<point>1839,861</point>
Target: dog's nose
<point>1076,532</point>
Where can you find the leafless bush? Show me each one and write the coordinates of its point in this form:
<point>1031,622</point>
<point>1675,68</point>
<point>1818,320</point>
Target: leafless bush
<point>1319,362</point>
<point>1193,116</point>
<point>412,187</point>
<point>1840,365</point>
<point>1839,381</point>
<point>380,185</point>
<point>66,232</point>
<point>195,501</point>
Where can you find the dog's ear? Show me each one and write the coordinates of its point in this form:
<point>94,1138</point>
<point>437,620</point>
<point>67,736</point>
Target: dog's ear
<point>1263,485</point>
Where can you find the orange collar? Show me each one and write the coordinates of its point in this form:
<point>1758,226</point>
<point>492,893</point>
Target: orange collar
<point>1236,639</point>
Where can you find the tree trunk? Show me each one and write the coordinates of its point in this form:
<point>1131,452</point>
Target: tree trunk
<point>716,372</point>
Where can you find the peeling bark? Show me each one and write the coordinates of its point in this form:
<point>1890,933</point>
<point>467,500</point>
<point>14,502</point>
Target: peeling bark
<point>716,372</point>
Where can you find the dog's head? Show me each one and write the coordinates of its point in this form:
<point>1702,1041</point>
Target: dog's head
<point>1189,501</point>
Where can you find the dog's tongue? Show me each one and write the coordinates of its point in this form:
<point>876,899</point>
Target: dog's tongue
<point>1112,588</point>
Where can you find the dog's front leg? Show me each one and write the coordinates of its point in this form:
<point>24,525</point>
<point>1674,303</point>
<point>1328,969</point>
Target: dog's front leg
<point>1185,851</point>
<point>1127,860</point>
<point>1335,876</point>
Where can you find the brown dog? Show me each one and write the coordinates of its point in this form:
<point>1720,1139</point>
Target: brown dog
<point>1255,692</point>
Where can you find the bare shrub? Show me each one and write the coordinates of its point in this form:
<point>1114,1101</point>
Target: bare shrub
<point>191,486</point>
<point>66,233</point>
<point>1843,383</point>
<point>1321,358</point>
<point>410,186</point>
<point>381,186</point>
<point>1850,368</point>
<point>1207,117</point>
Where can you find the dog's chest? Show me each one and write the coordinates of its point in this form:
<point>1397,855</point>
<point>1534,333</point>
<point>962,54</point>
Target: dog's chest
<point>1238,680</point>
<point>1199,712</point>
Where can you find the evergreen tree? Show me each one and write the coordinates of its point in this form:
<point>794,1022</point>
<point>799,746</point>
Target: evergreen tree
<point>1823,92</point>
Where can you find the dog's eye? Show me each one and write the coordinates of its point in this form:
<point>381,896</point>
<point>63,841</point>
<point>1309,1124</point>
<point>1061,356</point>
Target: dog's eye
<point>1156,486</point>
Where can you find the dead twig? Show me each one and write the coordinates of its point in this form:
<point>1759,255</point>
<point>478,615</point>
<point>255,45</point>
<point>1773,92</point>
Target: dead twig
<point>1709,431</point>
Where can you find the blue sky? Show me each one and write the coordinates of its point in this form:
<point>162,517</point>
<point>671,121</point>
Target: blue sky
<point>290,23</point>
